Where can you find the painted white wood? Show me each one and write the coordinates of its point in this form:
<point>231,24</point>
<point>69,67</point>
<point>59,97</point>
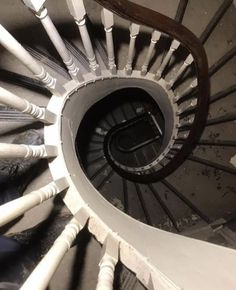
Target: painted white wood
<point>182,135</point>
<point>106,273</point>
<point>108,22</point>
<point>176,146</point>
<point>187,122</point>
<point>188,61</point>
<point>88,47</point>
<point>187,91</point>
<point>9,99</point>
<point>134,31</point>
<point>110,257</point>
<point>13,209</point>
<point>34,5</point>
<point>27,151</point>
<point>77,10</point>
<point>56,39</point>
<point>59,44</point>
<point>154,39</point>
<point>42,274</point>
<point>233,160</point>
<point>174,45</point>
<point>188,106</point>
<point>14,47</point>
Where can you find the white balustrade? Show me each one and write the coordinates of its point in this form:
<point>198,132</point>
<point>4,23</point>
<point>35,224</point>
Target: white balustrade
<point>9,99</point>
<point>188,61</point>
<point>187,91</point>
<point>108,22</point>
<point>77,10</point>
<point>134,31</point>
<point>233,161</point>
<point>186,122</point>
<point>42,274</point>
<point>181,135</point>
<point>15,208</point>
<point>14,47</point>
<point>187,107</point>
<point>27,151</point>
<point>110,256</point>
<point>174,45</point>
<point>41,12</point>
<point>176,146</point>
<point>154,39</point>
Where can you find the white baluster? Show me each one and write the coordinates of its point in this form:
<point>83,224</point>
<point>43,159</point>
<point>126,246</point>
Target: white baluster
<point>174,45</point>
<point>13,209</point>
<point>108,262</point>
<point>187,107</point>
<point>186,122</point>
<point>176,146</point>
<point>155,37</point>
<point>41,12</point>
<point>9,99</point>
<point>187,91</point>
<point>188,61</point>
<point>134,31</point>
<point>233,160</point>
<point>27,151</point>
<point>181,136</point>
<point>77,10</point>
<point>108,22</point>
<point>14,47</point>
<point>42,274</point>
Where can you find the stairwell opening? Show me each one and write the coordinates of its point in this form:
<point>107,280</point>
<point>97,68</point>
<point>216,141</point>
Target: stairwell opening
<point>85,135</point>
<point>128,126</point>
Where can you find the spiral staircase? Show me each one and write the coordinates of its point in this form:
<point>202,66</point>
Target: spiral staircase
<point>128,126</point>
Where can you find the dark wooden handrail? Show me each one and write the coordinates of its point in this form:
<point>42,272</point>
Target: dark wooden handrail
<point>144,16</point>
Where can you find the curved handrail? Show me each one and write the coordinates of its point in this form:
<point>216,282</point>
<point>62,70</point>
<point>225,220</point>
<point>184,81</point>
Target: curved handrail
<point>144,16</point>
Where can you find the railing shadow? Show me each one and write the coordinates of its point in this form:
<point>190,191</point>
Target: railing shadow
<point>81,244</point>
